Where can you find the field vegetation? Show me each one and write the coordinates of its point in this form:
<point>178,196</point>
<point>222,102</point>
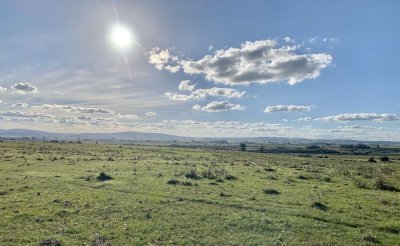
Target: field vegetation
<point>99,194</point>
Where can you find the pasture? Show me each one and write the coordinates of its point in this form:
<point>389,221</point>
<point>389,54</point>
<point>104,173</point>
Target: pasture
<point>99,194</point>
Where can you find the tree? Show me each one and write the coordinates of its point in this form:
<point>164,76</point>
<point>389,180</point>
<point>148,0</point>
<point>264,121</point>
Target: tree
<point>262,149</point>
<point>242,147</point>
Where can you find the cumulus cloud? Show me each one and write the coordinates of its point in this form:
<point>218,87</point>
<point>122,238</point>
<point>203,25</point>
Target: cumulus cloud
<point>186,86</point>
<point>203,93</point>
<point>258,62</point>
<point>24,88</point>
<point>127,116</point>
<point>197,107</point>
<point>151,114</point>
<point>178,97</point>
<point>19,105</point>
<point>216,106</point>
<point>282,108</point>
<point>70,108</point>
<point>359,117</point>
<point>162,59</point>
<point>3,89</point>
<point>19,114</point>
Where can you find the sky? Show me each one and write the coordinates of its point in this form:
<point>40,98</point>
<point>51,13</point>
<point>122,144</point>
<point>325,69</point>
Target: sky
<point>309,69</point>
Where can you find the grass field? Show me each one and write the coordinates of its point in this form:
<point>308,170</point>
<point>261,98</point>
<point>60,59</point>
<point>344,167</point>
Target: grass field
<point>53,194</point>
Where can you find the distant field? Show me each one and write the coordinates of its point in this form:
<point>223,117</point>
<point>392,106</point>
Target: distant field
<point>55,194</point>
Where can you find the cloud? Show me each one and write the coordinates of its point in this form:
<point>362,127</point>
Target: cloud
<point>70,108</point>
<point>355,128</point>
<point>186,86</point>
<point>258,62</point>
<point>304,119</point>
<point>288,40</point>
<point>216,106</point>
<point>197,107</point>
<point>19,105</point>
<point>3,89</point>
<point>23,88</point>
<point>282,108</point>
<point>204,93</point>
<point>178,97</point>
<point>359,117</point>
<point>19,114</point>
<point>162,59</point>
<point>151,114</point>
<point>127,116</point>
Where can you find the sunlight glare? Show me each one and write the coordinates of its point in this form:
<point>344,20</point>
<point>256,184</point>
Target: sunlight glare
<point>121,36</point>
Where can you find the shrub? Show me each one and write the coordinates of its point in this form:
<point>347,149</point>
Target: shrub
<point>192,174</point>
<point>319,205</point>
<point>384,159</point>
<point>360,183</point>
<point>271,192</point>
<point>208,174</point>
<point>173,182</point>
<point>242,147</point>
<point>100,241</point>
<point>383,184</point>
<point>372,159</point>
<point>50,242</point>
<point>103,177</point>
<point>230,177</point>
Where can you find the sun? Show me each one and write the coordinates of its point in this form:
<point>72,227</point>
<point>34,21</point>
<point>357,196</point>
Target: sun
<point>121,36</point>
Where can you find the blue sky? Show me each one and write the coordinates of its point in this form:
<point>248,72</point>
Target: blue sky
<point>251,68</point>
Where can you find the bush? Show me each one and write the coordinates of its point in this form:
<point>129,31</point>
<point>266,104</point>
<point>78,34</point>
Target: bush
<point>230,177</point>
<point>384,159</point>
<point>173,182</point>
<point>192,174</point>
<point>319,205</point>
<point>103,177</point>
<point>242,147</point>
<point>271,192</point>
<point>383,184</point>
<point>372,159</point>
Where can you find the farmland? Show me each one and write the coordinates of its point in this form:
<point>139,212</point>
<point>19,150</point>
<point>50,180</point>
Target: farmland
<point>109,194</point>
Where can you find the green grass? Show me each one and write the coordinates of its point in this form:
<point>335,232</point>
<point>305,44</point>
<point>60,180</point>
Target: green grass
<point>185,196</point>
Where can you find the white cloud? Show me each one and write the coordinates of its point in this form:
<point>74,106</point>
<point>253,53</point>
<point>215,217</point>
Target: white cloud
<point>151,114</point>
<point>288,40</point>
<point>204,93</point>
<point>178,97</point>
<point>216,106</point>
<point>70,108</point>
<point>332,40</point>
<point>162,59</point>
<point>3,89</point>
<point>19,105</point>
<point>127,116</point>
<point>197,107</point>
<point>304,119</point>
<point>282,108</point>
<point>210,47</point>
<point>359,117</point>
<point>19,114</point>
<point>24,88</point>
<point>258,62</point>
<point>186,86</point>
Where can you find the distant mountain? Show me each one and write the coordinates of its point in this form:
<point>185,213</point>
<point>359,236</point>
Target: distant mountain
<point>138,136</point>
<point>141,136</point>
